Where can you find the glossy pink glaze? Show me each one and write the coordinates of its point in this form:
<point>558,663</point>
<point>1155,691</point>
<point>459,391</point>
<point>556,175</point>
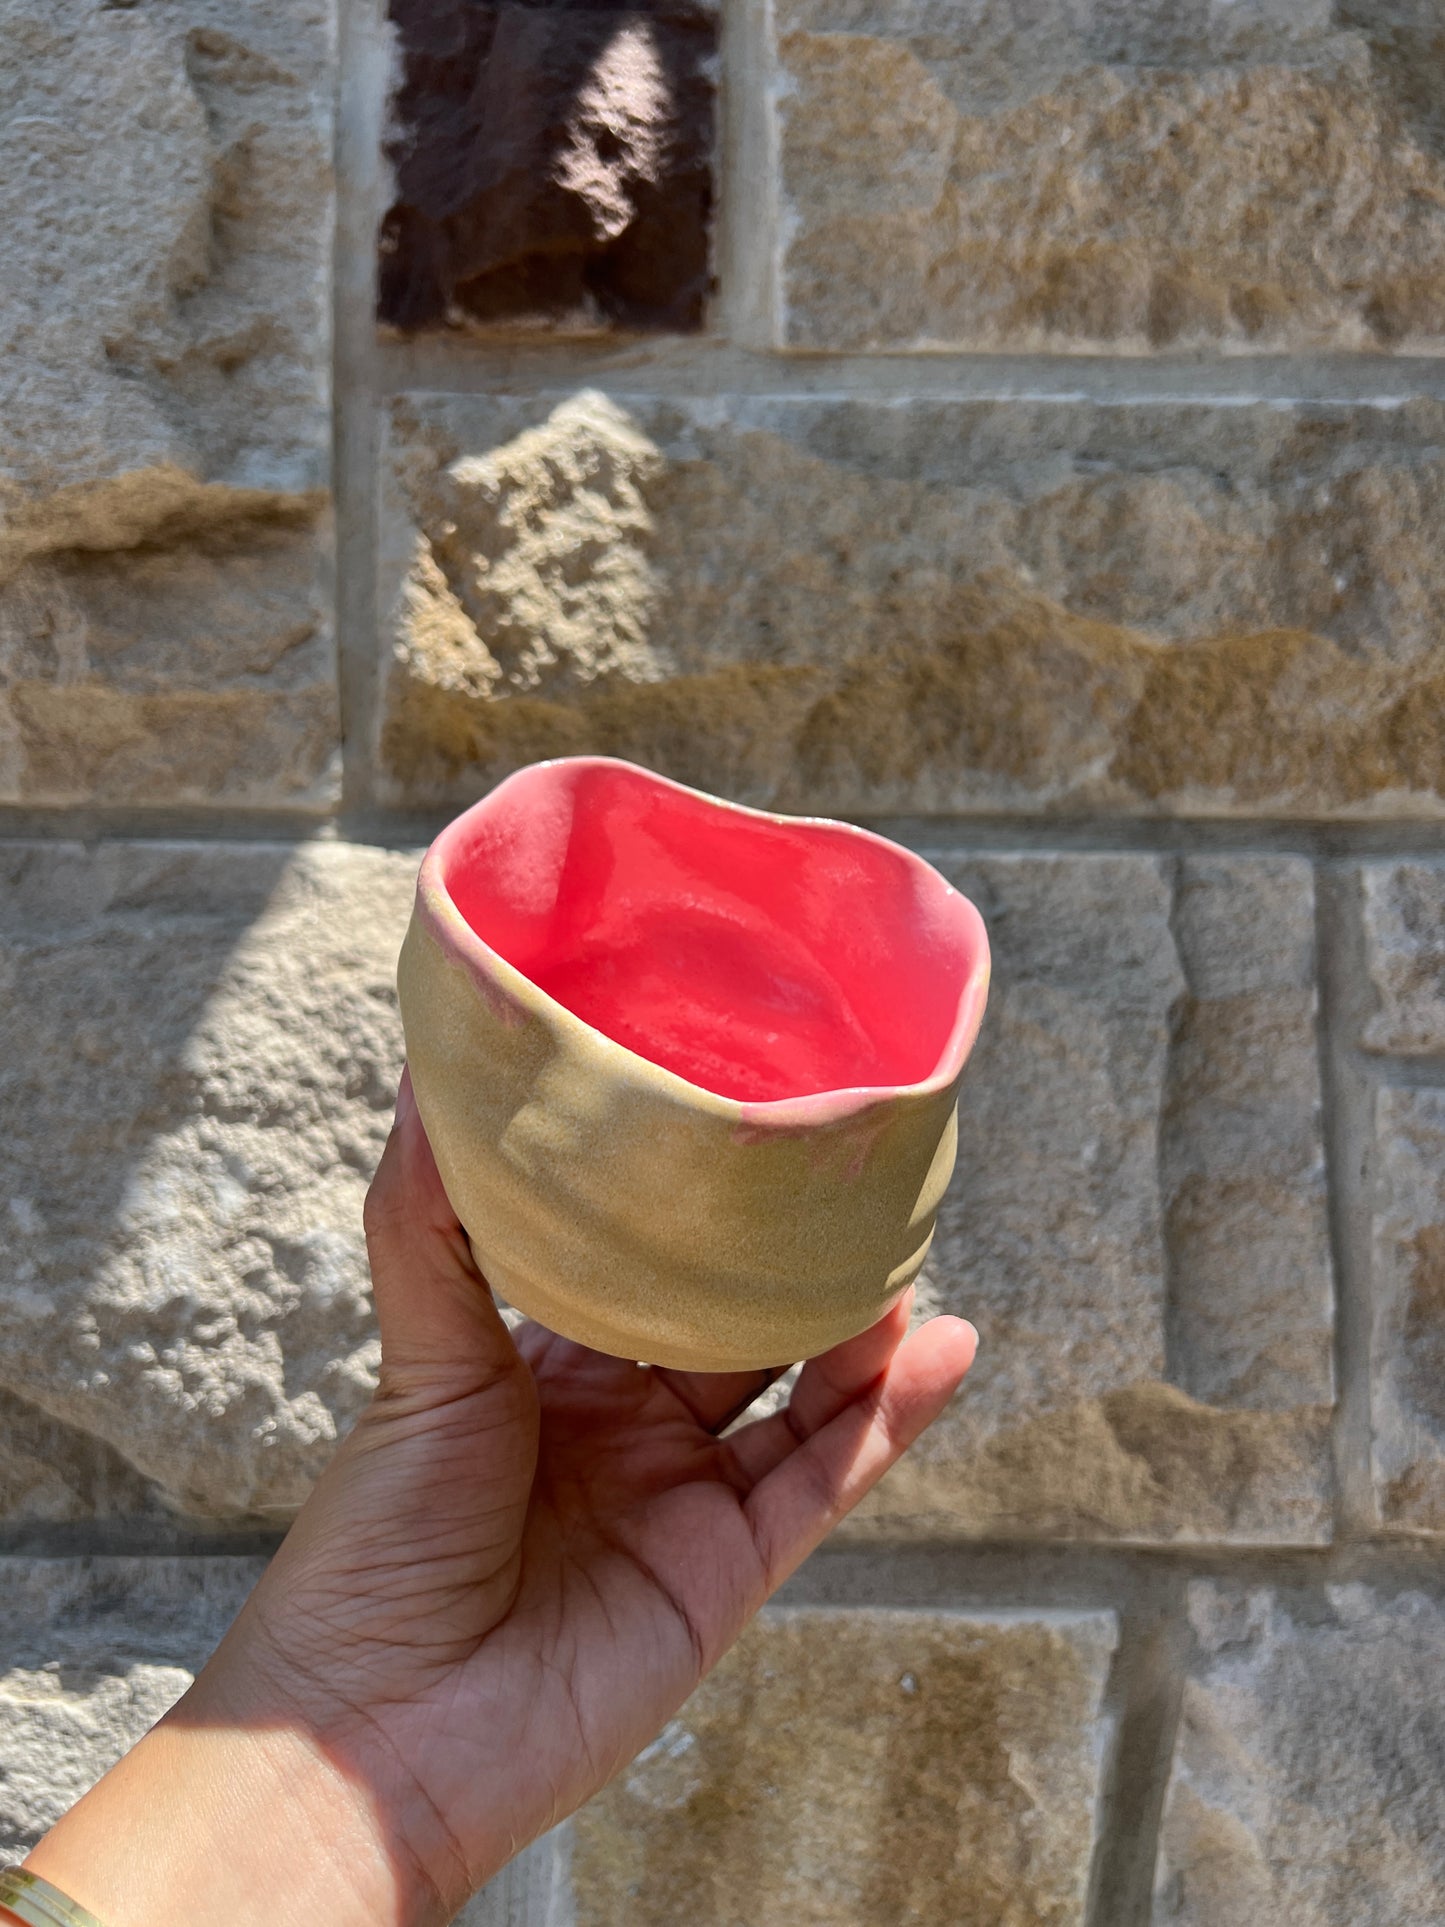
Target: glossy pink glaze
<point>766,959</point>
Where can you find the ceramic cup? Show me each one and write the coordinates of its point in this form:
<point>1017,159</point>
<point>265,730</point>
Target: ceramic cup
<point>690,1070</point>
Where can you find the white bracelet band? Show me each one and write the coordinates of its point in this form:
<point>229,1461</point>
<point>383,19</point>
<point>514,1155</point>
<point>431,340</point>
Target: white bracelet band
<point>37,1903</point>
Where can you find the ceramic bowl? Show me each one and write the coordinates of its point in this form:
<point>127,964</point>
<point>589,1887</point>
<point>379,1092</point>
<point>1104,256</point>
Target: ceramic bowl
<point>689,1070</point>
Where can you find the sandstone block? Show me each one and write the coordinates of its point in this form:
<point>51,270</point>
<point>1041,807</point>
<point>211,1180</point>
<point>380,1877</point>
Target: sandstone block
<point>94,1652</point>
<point>850,606</point>
<point>53,1474</point>
<point>193,673</point>
<point>964,174</point>
<point>1306,1784</point>
<point>199,1050</point>
<point>553,164</point>
<point>1136,1225</point>
<point>1405,936</point>
<point>165,196</point>
<point>1408,1350</point>
<point>859,1766</point>
<point>1137,1221</point>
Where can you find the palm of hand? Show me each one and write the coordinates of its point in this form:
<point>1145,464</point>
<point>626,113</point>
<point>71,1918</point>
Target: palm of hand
<point>527,1554</point>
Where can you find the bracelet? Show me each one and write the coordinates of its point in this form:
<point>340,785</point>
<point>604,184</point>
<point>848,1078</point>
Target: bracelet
<point>37,1903</point>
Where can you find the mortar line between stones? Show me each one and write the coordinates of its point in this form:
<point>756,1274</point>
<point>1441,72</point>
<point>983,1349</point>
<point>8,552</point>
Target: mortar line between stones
<point>689,366</point>
<point>1348,1127</point>
<point>935,836</point>
<point>363,88</point>
<point>910,1575</point>
<point>746,178</point>
<point>1147,1689</point>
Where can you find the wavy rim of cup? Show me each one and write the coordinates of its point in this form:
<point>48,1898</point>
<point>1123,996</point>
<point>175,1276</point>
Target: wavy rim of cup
<point>435,905</point>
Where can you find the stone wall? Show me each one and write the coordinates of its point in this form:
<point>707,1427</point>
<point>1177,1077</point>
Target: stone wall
<point>1019,426</point>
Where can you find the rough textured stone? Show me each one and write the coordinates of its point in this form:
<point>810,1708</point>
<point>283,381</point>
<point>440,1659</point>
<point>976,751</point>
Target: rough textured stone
<point>198,1056</point>
<point>553,164</point>
<point>1408,1393</point>
<point>850,606</point>
<point>1247,1260</point>
<point>1306,1784</point>
<point>165,197</point>
<point>1405,935</point>
<point>844,1768</point>
<point>201,670</point>
<point>51,1473</point>
<point>969,173</point>
<point>1137,1221</point>
<point>94,1652</point>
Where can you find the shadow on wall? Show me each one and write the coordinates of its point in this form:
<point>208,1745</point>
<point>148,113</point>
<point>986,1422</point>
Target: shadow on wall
<point>200,1049</point>
<point>553,164</point>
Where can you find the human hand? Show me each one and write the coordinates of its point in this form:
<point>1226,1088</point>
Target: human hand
<point>516,1568</point>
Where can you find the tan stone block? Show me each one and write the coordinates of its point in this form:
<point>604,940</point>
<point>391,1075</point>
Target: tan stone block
<point>1405,937</point>
<point>1306,1784</point>
<point>847,1767</point>
<point>210,1038</point>
<point>94,1652</point>
<point>194,673</point>
<point>850,606</point>
<point>166,201</point>
<point>1407,1401</point>
<point>1248,1268</point>
<point>52,1473</point>
<point>964,174</point>
<point>199,1049</point>
<point>1137,1221</point>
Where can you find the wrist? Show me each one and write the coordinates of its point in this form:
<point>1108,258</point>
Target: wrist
<point>207,1819</point>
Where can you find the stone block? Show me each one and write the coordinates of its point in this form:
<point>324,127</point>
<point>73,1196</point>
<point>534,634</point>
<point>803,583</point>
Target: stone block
<point>553,165</point>
<point>1407,1401</point>
<point>200,671</point>
<point>199,1049</point>
<point>166,200</point>
<point>94,1652</point>
<point>1137,1222</point>
<point>844,1768</point>
<point>1306,1784</point>
<point>854,606</point>
<point>53,1474</point>
<point>1087,177</point>
<point>1405,939</point>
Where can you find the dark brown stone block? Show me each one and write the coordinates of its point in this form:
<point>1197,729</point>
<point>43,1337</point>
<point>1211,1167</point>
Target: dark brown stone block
<point>553,165</point>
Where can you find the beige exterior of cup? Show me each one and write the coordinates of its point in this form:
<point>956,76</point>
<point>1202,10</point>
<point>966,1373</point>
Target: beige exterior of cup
<point>625,1208</point>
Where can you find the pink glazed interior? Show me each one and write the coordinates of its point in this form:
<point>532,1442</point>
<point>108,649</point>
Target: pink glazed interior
<point>762,958</point>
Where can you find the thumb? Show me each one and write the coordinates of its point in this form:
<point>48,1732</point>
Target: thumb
<point>434,1307</point>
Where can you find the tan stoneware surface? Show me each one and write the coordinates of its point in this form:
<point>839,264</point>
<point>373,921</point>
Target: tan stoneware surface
<point>620,1204</point>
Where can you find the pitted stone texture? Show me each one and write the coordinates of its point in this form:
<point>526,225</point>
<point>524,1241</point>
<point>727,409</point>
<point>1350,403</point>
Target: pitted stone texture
<point>1408,1396</point>
<point>851,606</point>
<point>970,174</point>
<point>199,1049</point>
<point>553,164</point>
<point>1137,1221</point>
<point>168,213</point>
<point>93,1652</point>
<point>1405,936</point>
<point>860,1769</point>
<point>1306,1785</point>
<point>165,196</point>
